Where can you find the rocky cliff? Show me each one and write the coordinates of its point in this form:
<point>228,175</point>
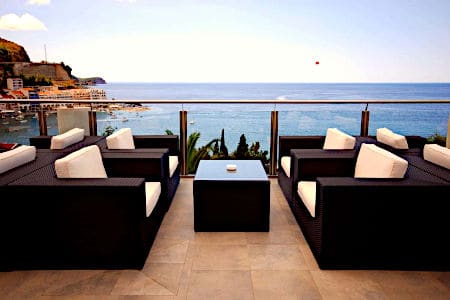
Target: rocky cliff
<point>12,52</point>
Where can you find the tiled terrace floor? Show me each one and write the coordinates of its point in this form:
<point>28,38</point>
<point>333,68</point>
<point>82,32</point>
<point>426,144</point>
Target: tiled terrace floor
<point>244,265</point>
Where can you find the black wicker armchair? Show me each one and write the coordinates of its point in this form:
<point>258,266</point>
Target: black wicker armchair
<point>372,223</point>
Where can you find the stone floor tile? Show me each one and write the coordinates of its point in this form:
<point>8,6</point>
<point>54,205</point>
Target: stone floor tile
<point>135,282</point>
<point>410,285</point>
<point>221,257</point>
<point>221,238</point>
<point>168,251</point>
<point>276,257</point>
<point>347,285</point>
<point>166,274</point>
<point>218,285</point>
<point>284,285</point>
<point>273,237</point>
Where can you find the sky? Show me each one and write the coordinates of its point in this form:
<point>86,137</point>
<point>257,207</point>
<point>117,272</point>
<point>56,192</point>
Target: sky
<point>236,40</point>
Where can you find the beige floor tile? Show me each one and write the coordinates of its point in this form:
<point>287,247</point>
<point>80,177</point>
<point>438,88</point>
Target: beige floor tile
<point>24,284</point>
<point>166,274</point>
<point>168,251</point>
<point>347,285</point>
<point>411,285</point>
<point>443,277</point>
<point>217,285</point>
<point>134,282</point>
<point>220,257</point>
<point>71,283</point>
<point>284,285</point>
<point>276,257</point>
<point>221,238</point>
<point>80,297</point>
<point>177,232</point>
<point>273,237</point>
<point>10,282</point>
<point>308,255</point>
<point>179,219</point>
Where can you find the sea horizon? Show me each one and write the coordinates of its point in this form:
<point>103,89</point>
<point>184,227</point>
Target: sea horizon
<point>253,120</point>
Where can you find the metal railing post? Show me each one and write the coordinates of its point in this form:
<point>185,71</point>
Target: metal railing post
<point>42,122</point>
<point>273,142</point>
<point>92,123</point>
<point>183,141</point>
<point>448,133</point>
<point>365,121</point>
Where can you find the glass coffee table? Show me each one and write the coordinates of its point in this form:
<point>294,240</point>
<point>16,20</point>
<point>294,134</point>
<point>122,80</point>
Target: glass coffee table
<point>231,200</point>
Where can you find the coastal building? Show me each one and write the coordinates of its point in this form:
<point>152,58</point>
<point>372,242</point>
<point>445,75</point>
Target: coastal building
<point>14,83</point>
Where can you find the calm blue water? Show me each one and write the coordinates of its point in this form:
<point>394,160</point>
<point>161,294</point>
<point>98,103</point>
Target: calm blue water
<point>254,120</point>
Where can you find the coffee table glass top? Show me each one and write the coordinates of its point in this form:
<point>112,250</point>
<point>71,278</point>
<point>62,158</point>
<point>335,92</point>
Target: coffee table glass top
<point>216,170</point>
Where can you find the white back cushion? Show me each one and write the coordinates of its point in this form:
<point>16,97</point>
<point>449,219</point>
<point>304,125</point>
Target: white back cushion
<point>286,165</point>
<point>84,163</point>
<point>173,164</point>
<point>437,154</point>
<point>375,162</point>
<point>121,139</point>
<point>386,136</point>
<point>307,192</point>
<point>152,192</point>
<point>338,140</point>
<point>68,138</point>
<point>16,157</point>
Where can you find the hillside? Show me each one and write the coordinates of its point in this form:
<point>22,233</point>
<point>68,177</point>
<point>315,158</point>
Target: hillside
<point>12,52</point>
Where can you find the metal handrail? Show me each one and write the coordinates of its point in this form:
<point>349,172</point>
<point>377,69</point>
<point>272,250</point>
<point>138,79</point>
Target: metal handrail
<point>224,101</point>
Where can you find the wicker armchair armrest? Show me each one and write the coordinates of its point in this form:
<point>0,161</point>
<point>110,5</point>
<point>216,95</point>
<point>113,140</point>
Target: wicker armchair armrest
<point>158,141</point>
<point>308,164</point>
<point>151,165</point>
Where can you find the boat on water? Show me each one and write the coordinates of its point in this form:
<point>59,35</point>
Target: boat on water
<point>124,119</point>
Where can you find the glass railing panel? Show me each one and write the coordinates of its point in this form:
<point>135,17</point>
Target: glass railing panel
<point>18,128</point>
<point>410,119</point>
<point>250,120</point>
<point>146,119</point>
<point>314,119</point>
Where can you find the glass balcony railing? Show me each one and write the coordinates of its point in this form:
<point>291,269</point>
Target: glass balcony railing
<point>260,122</point>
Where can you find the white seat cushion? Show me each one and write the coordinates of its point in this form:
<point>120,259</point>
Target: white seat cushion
<point>66,139</point>
<point>286,165</point>
<point>173,164</point>
<point>307,192</point>
<point>84,163</point>
<point>375,162</point>
<point>338,140</point>
<point>16,157</point>
<point>152,193</point>
<point>386,136</point>
<point>437,154</point>
<point>121,139</point>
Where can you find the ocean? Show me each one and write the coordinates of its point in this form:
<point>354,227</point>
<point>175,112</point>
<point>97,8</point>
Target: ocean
<point>254,120</point>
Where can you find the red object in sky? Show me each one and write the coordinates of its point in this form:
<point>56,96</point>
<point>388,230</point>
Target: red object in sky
<point>317,62</point>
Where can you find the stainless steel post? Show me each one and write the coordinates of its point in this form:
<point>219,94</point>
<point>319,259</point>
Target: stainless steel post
<point>92,122</point>
<point>273,142</point>
<point>183,141</point>
<point>365,122</point>
<point>42,122</point>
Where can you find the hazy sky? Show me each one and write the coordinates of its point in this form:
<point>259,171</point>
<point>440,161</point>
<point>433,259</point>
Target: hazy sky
<point>237,40</point>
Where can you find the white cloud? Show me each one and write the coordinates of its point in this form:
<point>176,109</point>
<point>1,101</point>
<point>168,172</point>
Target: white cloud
<point>129,1</point>
<point>24,22</point>
<point>38,2</point>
